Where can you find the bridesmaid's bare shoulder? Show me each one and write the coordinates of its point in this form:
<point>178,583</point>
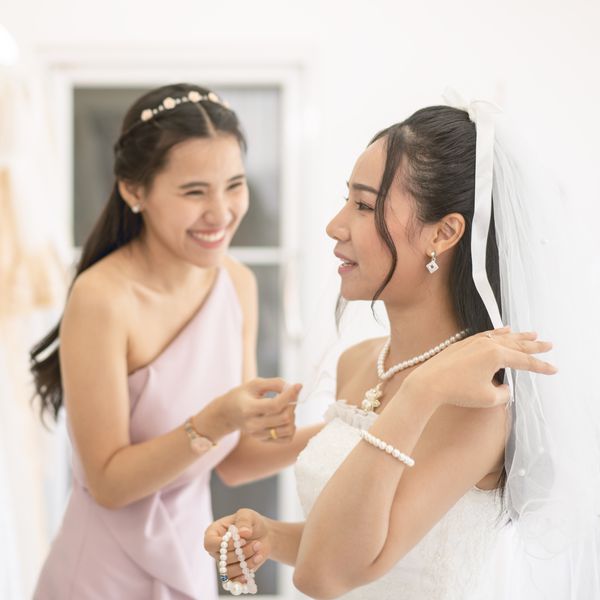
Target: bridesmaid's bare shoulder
<point>102,292</point>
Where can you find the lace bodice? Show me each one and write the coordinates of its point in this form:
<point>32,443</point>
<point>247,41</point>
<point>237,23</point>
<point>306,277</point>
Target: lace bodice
<point>448,563</point>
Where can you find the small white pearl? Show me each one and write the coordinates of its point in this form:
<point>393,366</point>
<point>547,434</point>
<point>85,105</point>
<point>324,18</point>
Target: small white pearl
<point>437,349</point>
<point>396,453</point>
<point>421,358</point>
<point>222,563</point>
<point>227,585</point>
<point>389,448</point>
<point>223,570</point>
<point>245,588</point>
<point>224,545</point>
<point>452,339</point>
<point>243,564</point>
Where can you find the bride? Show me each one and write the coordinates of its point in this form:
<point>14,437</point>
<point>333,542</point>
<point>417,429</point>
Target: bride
<point>424,457</point>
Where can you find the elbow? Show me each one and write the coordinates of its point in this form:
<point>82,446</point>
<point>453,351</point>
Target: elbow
<point>108,498</point>
<point>316,584</point>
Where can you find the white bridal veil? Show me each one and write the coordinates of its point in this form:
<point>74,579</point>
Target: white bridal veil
<point>549,284</point>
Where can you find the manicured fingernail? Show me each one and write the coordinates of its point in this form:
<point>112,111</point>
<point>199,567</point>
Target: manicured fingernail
<point>256,547</point>
<point>243,542</point>
<point>258,558</point>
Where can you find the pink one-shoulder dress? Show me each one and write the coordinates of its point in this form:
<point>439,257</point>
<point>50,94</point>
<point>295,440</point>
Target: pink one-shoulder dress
<point>153,549</point>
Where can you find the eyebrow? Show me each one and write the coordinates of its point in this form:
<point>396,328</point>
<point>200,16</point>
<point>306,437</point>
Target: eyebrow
<point>192,184</point>
<point>361,187</point>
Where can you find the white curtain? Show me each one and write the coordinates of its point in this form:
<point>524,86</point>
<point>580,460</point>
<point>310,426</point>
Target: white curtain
<point>32,285</point>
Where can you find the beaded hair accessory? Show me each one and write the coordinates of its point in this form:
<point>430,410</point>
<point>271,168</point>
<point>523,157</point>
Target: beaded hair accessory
<point>170,103</point>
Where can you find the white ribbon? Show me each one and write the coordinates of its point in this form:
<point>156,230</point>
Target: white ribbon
<point>482,113</point>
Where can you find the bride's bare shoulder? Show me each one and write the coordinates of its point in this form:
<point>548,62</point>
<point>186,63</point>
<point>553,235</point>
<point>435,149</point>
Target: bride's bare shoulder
<point>354,357</point>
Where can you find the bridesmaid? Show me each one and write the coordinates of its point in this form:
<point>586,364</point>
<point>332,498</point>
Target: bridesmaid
<point>156,363</point>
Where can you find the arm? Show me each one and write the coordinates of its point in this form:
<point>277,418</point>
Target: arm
<point>93,353</point>
<point>390,511</point>
<point>253,459</point>
<point>93,361</point>
<point>394,507</point>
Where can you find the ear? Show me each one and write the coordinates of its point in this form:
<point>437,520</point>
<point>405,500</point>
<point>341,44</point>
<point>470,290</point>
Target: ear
<point>131,193</point>
<point>447,233</point>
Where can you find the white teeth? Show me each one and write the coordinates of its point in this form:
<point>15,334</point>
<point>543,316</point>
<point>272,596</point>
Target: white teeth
<point>348,264</point>
<point>208,237</point>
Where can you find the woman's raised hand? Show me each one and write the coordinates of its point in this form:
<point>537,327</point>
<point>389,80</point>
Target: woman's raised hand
<point>463,374</point>
<point>248,409</point>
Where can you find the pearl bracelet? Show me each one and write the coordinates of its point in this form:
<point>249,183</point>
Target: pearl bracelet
<point>388,448</point>
<point>235,587</point>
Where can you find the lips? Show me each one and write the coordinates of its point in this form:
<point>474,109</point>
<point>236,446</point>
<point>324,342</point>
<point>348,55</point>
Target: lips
<point>346,262</point>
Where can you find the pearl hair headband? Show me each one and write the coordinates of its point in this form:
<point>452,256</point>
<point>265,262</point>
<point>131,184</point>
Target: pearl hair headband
<point>170,103</point>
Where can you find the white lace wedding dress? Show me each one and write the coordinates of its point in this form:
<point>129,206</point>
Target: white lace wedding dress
<point>450,563</point>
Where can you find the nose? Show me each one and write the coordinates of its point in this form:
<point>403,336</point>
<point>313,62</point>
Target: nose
<point>218,212</point>
<point>337,228</point>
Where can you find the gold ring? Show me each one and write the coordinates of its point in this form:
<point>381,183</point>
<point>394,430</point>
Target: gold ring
<point>273,433</point>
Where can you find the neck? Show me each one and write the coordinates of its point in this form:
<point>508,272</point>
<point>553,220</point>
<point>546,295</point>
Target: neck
<point>164,271</point>
<point>420,327</point>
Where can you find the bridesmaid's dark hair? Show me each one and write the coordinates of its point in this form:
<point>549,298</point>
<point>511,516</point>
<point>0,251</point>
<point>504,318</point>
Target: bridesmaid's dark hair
<point>139,154</point>
<point>432,156</point>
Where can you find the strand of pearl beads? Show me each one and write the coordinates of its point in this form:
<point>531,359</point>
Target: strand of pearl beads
<point>383,374</point>
<point>236,588</point>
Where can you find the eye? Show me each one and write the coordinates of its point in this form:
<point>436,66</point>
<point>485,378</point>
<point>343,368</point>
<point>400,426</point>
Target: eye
<point>237,184</point>
<point>195,193</point>
<point>362,206</point>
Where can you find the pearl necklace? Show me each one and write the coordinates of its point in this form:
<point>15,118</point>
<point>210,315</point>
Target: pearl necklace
<point>372,397</point>
<point>235,587</point>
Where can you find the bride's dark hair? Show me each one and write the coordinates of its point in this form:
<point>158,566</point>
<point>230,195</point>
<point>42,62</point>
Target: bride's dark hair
<point>139,154</point>
<point>432,156</point>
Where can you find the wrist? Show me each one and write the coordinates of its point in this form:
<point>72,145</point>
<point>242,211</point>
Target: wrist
<point>210,422</point>
<point>273,539</point>
<point>424,398</point>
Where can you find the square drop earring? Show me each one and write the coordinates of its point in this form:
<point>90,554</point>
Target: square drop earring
<point>432,265</point>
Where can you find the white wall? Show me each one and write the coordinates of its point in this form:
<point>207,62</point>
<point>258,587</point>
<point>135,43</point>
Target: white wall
<point>365,65</point>
<point>368,64</point>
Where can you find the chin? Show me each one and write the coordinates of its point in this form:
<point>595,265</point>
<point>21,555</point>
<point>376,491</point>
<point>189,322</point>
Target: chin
<point>352,293</point>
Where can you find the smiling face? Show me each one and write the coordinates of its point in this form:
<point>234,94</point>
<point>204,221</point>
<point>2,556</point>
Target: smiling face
<point>196,202</point>
<point>365,258</point>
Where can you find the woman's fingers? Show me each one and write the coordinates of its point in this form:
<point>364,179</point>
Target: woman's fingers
<point>516,359</point>
<point>285,417</point>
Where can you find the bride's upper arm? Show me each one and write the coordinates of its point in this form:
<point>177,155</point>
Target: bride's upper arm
<point>449,461</point>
